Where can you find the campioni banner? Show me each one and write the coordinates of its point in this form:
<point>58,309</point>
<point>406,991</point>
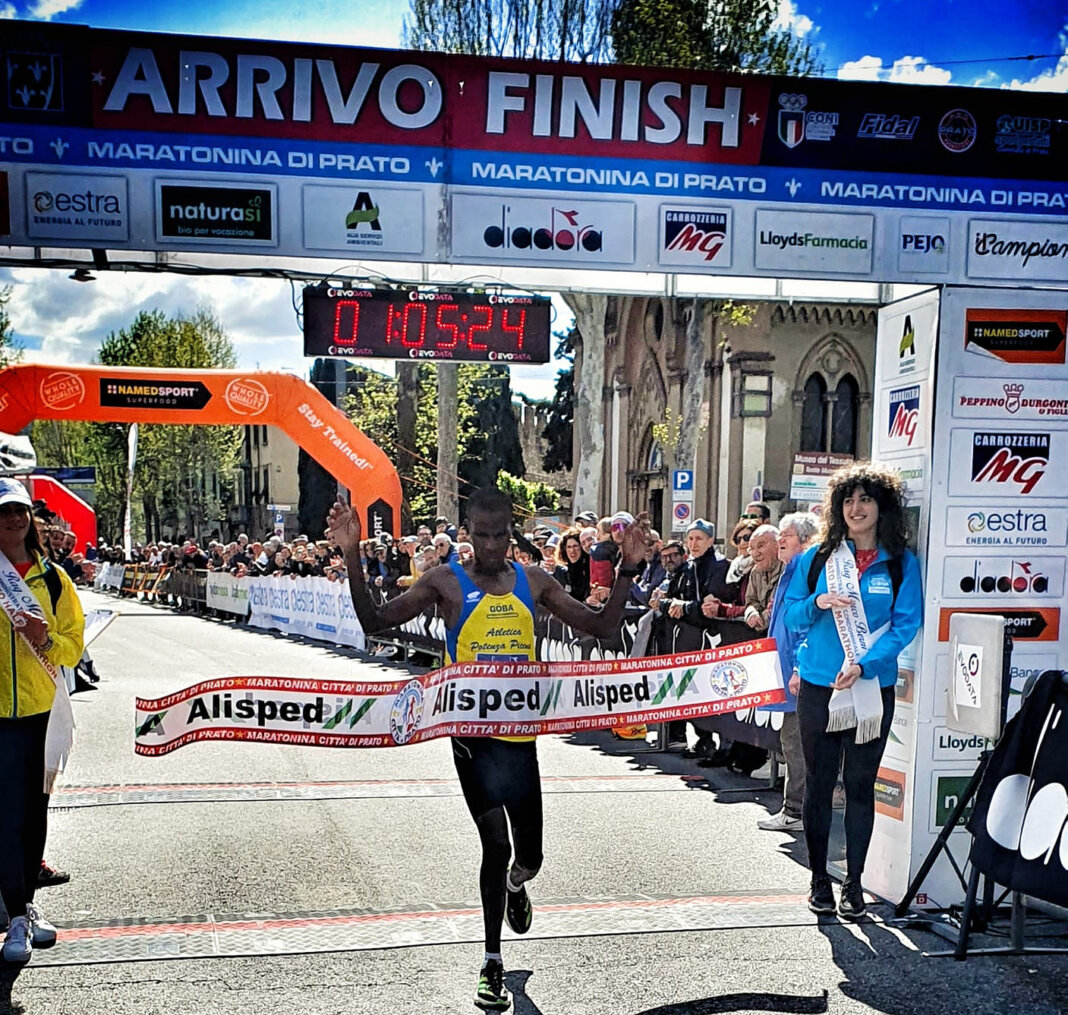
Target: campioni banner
<point>464,699</point>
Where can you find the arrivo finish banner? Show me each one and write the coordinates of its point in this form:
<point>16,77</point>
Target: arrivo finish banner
<point>465,699</point>
<point>151,142</point>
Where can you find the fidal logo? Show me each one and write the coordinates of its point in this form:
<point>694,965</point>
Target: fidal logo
<point>246,396</point>
<point>62,390</point>
<point>565,231</point>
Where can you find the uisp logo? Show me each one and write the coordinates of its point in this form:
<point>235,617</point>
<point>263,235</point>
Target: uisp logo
<point>1015,462</point>
<point>904,416</point>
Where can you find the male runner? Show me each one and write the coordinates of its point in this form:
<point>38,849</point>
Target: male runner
<point>499,776</point>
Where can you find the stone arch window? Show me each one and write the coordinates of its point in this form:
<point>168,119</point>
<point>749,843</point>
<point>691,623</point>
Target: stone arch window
<point>814,413</point>
<point>654,456</point>
<point>654,320</point>
<point>845,412</point>
<point>831,393</point>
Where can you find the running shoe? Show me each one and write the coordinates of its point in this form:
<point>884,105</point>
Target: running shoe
<point>492,995</point>
<point>781,822</point>
<point>18,945</point>
<point>50,876</point>
<point>42,932</point>
<point>821,898</point>
<point>518,911</point>
<point>852,905</point>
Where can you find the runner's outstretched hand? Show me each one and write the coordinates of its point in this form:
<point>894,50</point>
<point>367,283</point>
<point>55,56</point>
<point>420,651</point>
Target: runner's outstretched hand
<point>343,526</point>
<point>636,541</point>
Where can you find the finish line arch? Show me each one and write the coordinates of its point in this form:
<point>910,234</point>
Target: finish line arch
<point>213,398</point>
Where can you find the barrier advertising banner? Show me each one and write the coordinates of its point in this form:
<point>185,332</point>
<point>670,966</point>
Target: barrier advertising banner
<point>310,607</point>
<point>464,699</point>
<point>150,142</point>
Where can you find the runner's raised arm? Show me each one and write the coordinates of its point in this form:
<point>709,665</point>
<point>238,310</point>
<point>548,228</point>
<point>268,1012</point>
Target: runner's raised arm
<point>343,528</point>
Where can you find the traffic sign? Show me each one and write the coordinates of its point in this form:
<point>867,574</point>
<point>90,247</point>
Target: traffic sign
<point>682,480</point>
<point>682,511</point>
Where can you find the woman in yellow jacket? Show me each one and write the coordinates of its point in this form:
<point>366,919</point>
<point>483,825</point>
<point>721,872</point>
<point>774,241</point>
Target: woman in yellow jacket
<point>26,693</point>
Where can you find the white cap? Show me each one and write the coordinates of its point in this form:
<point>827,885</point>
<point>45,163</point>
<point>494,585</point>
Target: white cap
<point>13,492</point>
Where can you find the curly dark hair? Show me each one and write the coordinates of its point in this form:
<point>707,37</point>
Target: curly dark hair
<point>561,547</point>
<point>879,482</point>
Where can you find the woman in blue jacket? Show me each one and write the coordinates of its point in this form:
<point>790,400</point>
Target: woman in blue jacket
<point>856,600</point>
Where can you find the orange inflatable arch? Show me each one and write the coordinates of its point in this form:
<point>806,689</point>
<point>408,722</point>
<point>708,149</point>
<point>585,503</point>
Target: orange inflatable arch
<point>213,397</point>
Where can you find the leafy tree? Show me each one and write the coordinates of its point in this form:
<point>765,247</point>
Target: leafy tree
<point>709,35</point>
<point>527,497</point>
<point>488,435</point>
<point>559,427</point>
<point>173,462</point>
<point>10,350</point>
<point>531,29</point>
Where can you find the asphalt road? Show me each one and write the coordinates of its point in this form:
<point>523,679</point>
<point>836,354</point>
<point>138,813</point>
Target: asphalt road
<point>253,878</point>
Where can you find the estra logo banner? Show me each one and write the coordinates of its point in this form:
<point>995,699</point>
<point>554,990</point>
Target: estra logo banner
<point>903,418</point>
<point>1005,464</point>
<point>695,237</point>
<point>998,525</point>
<point>1016,336</point>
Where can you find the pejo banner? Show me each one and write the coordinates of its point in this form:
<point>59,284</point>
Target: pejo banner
<point>497,699</point>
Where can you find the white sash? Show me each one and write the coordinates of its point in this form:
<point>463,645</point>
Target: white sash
<point>16,598</point>
<point>862,704</point>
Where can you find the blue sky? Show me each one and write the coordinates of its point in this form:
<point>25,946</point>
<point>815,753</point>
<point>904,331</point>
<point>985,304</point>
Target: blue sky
<point>936,42</point>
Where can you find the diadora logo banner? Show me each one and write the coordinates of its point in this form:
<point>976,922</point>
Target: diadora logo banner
<point>904,416</point>
<point>1012,464</point>
<point>1017,336</point>
<point>554,231</point>
<point>1010,577</point>
<point>695,236</point>
<point>1009,527</point>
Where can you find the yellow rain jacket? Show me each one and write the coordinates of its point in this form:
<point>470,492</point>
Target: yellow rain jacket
<point>25,688</point>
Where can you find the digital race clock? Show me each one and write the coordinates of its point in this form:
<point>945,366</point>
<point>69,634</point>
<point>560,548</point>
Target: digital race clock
<point>408,324</point>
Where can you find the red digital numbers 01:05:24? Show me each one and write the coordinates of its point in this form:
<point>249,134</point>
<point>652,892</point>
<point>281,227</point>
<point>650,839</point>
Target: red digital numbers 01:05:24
<point>420,324</point>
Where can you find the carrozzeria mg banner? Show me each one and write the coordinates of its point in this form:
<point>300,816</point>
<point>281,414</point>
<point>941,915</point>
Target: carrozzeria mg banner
<point>151,142</point>
<point>465,699</point>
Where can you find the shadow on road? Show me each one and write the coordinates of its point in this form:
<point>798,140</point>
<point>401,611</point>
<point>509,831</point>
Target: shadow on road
<point>748,1001</point>
<point>516,981</point>
<point>886,971</point>
<point>8,976</point>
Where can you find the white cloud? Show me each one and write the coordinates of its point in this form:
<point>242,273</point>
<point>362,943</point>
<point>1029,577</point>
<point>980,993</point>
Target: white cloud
<point>912,70</point>
<point>46,10</point>
<point>867,68</point>
<point>8,11</point>
<point>1054,80</point>
<point>789,19</point>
